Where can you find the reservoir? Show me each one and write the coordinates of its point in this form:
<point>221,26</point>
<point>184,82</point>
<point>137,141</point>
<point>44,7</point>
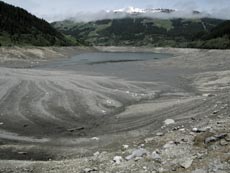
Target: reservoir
<point>127,65</point>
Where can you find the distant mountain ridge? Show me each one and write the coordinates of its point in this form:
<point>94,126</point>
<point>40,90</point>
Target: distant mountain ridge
<point>18,27</point>
<point>148,11</point>
<point>138,31</point>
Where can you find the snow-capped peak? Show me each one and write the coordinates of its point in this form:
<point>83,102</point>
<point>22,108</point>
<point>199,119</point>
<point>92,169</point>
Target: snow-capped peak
<point>133,10</point>
<point>129,10</point>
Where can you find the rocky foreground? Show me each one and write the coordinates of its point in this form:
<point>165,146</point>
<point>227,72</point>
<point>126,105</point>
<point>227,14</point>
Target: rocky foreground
<point>185,129</point>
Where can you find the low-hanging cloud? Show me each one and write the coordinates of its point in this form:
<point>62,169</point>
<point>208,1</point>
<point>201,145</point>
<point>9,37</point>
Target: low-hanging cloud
<point>87,17</point>
<point>88,10</point>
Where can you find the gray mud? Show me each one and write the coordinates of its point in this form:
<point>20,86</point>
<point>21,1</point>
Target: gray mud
<point>58,113</point>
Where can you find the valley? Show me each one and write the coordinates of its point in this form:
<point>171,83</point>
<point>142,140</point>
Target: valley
<point>118,87</point>
<point>67,120</point>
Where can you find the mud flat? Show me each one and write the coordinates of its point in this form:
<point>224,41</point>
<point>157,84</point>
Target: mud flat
<point>54,120</point>
<point>20,57</point>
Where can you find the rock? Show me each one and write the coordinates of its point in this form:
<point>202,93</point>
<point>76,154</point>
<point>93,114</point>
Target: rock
<point>125,147</point>
<point>176,128</point>
<point>169,144</point>
<point>148,140</point>
<point>223,142</point>
<point>174,169</point>
<point>96,153</point>
<point>142,146</point>
<point>215,138</point>
<point>159,134</point>
<point>22,153</point>
<point>161,170</point>
<point>215,112</point>
<point>137,153</point>
<point>199,139</point>
<point>184,140</point>
<point>182,130</point>
<point>117,159</point>
<point>169,121</point>
<point>210,139</point>
<point>95,138</point>
<point>137,159</point>
<point>1,123</point>
<point>208,95</point>
<point>193,118</point>
<point>75,129</point>
<point>87,170</point>
<point>227,138</point>
<point>155,156</point>
<point>196,130</point>
<point>186,163</point>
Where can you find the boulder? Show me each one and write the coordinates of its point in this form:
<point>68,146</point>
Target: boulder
<point>169,121</point>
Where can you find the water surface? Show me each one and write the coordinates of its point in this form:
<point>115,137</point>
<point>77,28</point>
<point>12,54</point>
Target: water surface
<point>127,65</point>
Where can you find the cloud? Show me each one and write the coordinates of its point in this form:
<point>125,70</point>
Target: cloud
<point>87,17</point>
<point>88,10</point>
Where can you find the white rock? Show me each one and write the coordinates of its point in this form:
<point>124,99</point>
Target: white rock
<point>208,95</point>
<point>109,101</point>
<point>186,163</point>
<point>87,170</point>
<point>169,145</point>
<point>159,134</point>
<point>148,140</point>
<point>95,138</point>
<point>1,123</point>
<point>155,156</point>
<point>194,129</point>
<point>117,159</point>
<point>142,145</point>
<point>183,129</point>
<point>96,153</point>
<point>137,153</point>
<point>204,129</point>
<point>125,146</point>
<point>169,121</point>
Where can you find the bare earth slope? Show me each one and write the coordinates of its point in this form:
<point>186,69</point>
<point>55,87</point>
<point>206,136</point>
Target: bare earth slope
<point>62,121</point>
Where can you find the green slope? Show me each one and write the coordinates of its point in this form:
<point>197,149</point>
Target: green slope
<point>139,31</point>
<point>18,27</point>
<point>216,38</point>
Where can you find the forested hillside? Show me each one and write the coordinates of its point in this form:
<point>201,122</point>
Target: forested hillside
<point>148,32</point>
<point>18,27</point>
<point>217,38</point>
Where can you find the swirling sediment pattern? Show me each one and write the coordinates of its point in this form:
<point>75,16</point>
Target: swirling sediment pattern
<point>49,103</point>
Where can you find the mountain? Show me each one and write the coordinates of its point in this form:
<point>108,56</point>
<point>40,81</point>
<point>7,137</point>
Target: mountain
<point>18,27</point>
<point>133,10</point>
<point>140,31</point>
<point>217,38</point>
<point>155,13</point>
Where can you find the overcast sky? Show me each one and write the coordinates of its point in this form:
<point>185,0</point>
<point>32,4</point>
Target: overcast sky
<point>53,10</point>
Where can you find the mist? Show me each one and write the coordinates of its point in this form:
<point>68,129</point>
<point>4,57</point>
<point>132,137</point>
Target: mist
<point>94,16</point>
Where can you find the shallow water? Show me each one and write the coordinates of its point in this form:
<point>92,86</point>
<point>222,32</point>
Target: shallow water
<point>127,65</point>
<point>106,58</point>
